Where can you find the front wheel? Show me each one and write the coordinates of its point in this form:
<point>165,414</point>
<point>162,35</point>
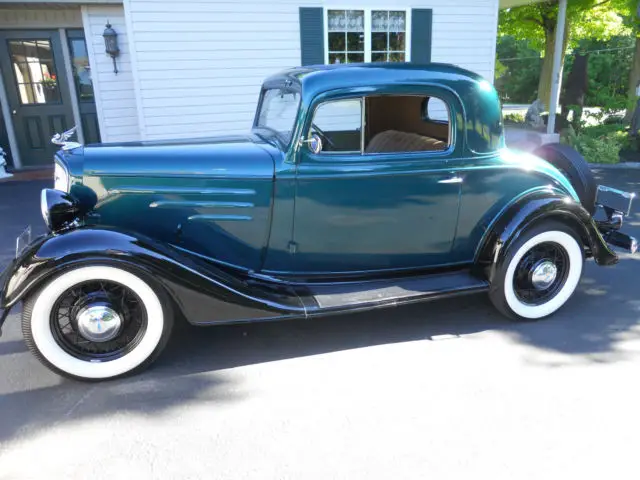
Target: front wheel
<point>97,323</point>
<point>539,272</point>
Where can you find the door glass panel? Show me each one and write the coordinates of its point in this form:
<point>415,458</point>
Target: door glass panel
<point>35,73</point>
<point>338,123</point>
<point>81,69</point>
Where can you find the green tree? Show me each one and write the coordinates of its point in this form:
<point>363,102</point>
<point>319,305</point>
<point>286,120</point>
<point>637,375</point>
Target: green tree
<point>631,12</point>
<point>517,70</point>
<point>536,23</point>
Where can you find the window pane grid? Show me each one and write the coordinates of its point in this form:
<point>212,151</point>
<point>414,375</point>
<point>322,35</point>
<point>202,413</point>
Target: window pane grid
<point>34,71</point>
<point>388,36</point>
<point>346,36</point>
<point>366,35</point>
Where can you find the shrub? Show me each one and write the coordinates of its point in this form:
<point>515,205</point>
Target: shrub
<point>514,118</point>
<point>599,143</point>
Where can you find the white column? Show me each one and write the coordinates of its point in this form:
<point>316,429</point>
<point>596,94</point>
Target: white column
<point>8,122</point>
<point>556,75</point>
<point>71,84</point>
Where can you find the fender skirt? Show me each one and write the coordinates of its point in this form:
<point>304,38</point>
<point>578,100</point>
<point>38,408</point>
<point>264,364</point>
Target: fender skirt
<point>203,292</point>
<point>532,207</point>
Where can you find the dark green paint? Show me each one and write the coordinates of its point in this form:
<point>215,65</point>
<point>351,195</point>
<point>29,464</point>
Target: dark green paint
<point>255,204</point>
<point>311,35</point>
<point>421,33</point>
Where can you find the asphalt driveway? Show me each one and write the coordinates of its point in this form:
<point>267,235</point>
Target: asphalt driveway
<point>447,389</point>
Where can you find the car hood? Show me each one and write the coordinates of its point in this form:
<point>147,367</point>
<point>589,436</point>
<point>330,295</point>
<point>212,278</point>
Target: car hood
<point>246,155</point>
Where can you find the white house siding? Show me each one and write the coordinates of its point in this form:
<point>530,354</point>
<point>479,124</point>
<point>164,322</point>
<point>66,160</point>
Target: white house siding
<point>21,18</point>
<point>115,94</point>
<point>200,63</point>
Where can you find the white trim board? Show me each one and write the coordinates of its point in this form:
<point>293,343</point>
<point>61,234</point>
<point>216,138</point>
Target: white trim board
<point>71,84</point>
<point>134,70</point>
<point>8,122</point>
<point>97,91</point>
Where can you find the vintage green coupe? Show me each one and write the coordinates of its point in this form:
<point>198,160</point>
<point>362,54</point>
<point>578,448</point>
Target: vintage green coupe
<point>359,187</point>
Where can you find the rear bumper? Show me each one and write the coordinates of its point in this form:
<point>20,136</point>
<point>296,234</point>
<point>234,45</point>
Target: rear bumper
<point>611,207</point>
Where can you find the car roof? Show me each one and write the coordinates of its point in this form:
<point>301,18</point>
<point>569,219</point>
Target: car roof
<point>479,100</point>
<point>315,79</point>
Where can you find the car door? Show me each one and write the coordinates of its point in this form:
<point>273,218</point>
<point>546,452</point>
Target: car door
<point>358,211</point>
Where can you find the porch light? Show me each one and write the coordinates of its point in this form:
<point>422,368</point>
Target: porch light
<point>111,44</point>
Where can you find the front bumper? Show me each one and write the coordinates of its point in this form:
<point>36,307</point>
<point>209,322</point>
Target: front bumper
<point>4,311</point>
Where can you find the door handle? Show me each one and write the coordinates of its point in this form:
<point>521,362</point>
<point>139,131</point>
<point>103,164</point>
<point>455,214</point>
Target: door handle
<point>454,179</point>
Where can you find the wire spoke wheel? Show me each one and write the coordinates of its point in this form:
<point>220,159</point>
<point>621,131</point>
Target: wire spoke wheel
<point>98,320</point>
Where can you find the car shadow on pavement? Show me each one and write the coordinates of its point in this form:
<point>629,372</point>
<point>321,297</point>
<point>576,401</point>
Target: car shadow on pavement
<point>194,366</point>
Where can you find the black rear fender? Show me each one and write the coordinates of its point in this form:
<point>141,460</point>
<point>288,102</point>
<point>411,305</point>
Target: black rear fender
<point>202,292</point>
<point>532,208</point>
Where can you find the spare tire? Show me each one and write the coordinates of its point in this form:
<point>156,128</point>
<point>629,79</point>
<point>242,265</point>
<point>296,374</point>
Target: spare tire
<point>575,168</point>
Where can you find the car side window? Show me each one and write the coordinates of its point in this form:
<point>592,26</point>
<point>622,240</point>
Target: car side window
<point>338,123</point>
<point>406,123</point>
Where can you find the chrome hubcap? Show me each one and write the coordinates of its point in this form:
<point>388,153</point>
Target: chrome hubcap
<point>98,322</point>
<point>544,274</point>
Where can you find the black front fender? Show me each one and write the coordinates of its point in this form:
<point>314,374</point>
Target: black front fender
<point>203,292</point>
<point>531,208</point>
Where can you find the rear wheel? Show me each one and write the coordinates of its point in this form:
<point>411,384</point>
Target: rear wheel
<point>539,273</point>
<point>97,323</point>
<point>575,168</point>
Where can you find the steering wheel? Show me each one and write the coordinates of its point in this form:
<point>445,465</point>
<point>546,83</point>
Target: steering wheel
<point>323,135</point>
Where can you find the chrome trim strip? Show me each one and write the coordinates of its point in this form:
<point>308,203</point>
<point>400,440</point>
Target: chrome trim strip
<point>181,190</point>
<point>188,204</point>
<point>218,218</point>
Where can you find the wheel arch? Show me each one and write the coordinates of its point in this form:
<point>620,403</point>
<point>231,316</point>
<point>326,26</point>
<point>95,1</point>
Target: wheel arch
<point>530,209</point>
<point>198,289</point>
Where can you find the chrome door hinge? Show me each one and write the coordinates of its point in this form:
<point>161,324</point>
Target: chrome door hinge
<point>293,247</point>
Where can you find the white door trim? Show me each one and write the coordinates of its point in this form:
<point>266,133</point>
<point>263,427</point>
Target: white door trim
<point>73,94</point>
<point>8,121</point>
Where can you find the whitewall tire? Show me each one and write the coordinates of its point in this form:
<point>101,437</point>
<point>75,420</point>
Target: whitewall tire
<point>97,323</point>
<point>539,273</point>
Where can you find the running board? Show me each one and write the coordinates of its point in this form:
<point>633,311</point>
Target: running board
<point>326,298</point>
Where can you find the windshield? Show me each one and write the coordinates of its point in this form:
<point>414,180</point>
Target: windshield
<point>278,111</point>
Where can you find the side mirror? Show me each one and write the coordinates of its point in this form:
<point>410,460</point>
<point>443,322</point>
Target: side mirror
<point>314,143</point>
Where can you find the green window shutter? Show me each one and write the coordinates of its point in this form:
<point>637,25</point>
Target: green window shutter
<point>421,28</point>
<point>311,36</point>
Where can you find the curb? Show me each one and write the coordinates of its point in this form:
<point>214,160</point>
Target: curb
<point>615,166</point>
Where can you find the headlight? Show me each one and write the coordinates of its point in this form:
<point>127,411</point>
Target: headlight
<point>59,210</point>
<point>60,178</point>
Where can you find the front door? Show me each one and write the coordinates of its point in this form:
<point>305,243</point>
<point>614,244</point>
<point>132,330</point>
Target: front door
<point>357,215</point>
<point>359,210</point>
<point>37,90</point>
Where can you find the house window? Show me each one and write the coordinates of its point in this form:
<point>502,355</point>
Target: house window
<point>32,62</point>
<point>388,36</point>
<point>346,36</point>
<point>354,36</point>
